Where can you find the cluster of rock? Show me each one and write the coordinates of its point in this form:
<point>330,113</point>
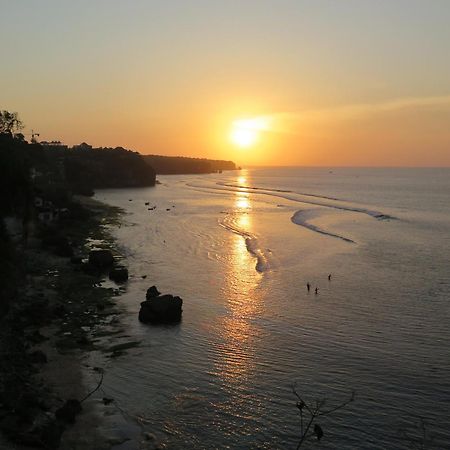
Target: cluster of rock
<point>159,308</point>
<point>102,260</point>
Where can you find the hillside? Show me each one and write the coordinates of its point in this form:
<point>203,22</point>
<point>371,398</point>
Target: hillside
<point>169,165</point>
<point>107,168</point>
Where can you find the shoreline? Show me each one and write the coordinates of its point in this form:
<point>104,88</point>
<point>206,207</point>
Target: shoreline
<point>60,317</point>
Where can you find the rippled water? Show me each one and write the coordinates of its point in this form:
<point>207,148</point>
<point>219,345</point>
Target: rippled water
<point>239,248</point>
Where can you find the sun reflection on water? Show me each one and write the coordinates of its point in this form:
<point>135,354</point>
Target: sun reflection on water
<point>242,202</point>
<point>242,181</point>
<point>238,330</point>
<point>243,221</point>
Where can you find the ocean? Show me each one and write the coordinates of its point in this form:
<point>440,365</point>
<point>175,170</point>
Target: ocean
<point>239,248</point>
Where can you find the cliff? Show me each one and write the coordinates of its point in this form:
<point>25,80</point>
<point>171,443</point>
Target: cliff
<point>184,165</point>
<point>106,168</point>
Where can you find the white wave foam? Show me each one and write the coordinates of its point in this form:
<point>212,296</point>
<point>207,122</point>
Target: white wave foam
<point>262,263</point>
<point>302,216</point>
<point>251,243</point>
<point>277,190</point>
<point>321,200</point>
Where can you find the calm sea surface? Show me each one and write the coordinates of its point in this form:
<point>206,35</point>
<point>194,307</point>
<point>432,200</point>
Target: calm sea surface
<point>239,248</point>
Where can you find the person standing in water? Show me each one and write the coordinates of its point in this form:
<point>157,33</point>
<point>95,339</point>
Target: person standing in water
<point>308,286</point>
<point>316,291</point>
<point>329,277</point>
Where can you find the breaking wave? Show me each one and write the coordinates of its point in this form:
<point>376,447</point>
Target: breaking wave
<point>251,243</point>
<point>303,216</point>
<point>311,199</point>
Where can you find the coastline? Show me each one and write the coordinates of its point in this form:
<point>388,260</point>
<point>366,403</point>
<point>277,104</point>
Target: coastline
<point>59,319</point>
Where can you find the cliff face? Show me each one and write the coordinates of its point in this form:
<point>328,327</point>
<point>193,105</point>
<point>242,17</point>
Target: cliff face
<point>184,165</point>
<point>35,177</point>
<point>107,168</point>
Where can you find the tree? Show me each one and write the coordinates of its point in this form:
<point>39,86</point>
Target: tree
<point>10,122</point>
<point>313,411</point>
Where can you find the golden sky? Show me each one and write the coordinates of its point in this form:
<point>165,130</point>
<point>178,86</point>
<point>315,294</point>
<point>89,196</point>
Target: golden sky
<point>354,83</point>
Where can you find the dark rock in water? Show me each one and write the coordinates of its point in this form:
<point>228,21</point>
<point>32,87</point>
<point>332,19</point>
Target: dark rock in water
<point>68,411</point>
<point>152,292</point>
<point>101,258</point>
<point>119,274</point>
<point>161,309</point>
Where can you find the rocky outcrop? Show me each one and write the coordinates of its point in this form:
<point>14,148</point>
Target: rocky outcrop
<point>101,258</point>
<point>160,308</point>
<point>152,292</point>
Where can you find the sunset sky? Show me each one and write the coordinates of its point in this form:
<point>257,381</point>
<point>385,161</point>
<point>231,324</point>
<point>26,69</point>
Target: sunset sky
<point>334,83</point>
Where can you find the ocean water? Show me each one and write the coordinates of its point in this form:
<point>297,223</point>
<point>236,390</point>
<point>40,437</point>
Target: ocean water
<point>239,248</point>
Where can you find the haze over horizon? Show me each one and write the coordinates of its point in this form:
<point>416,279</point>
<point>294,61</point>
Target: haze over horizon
<point>317,83</point>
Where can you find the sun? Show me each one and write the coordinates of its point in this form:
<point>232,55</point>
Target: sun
<point>243,137</point>
<point>245,133</point>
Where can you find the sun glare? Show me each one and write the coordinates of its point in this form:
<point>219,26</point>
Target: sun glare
<point>245,133</point>
<point>244,137</point>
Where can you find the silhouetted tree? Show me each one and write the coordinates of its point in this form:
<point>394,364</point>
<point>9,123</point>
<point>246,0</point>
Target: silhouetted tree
<point>310,412</point>
<point>10,122</point>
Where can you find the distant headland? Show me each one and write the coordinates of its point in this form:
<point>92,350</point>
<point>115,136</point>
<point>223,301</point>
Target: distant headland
<point>171,165</point>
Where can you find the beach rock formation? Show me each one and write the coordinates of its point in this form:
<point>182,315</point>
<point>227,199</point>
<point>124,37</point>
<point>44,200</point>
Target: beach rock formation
<point>119,274</point>
<point>152,292</point>
<point>101,258</point>
<point>160,308</point>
